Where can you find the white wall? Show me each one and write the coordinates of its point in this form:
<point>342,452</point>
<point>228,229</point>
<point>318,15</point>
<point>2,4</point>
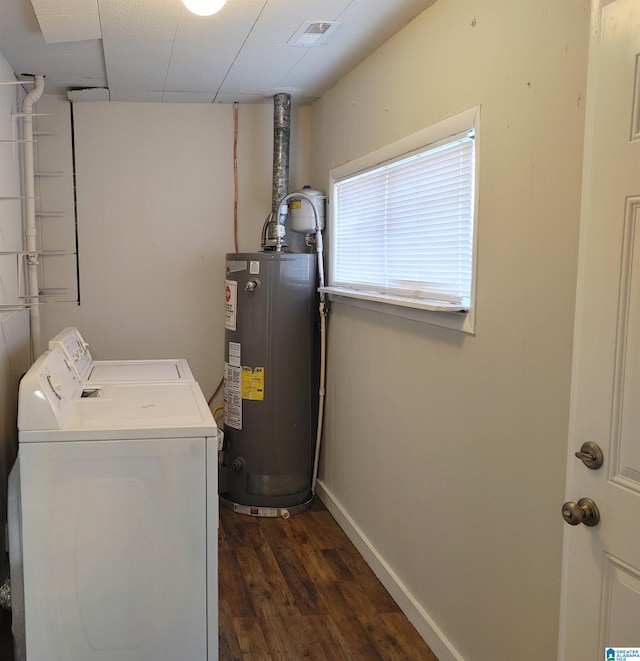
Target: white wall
<point>14,326</point>
<point>155,219</point>
<point>445,453</point>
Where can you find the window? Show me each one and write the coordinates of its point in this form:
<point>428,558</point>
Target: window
<point>403,224</point>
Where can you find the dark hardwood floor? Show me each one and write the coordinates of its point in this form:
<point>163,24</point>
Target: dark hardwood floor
<point>297,589</point>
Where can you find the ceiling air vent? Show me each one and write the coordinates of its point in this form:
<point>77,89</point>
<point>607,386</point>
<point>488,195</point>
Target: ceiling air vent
<point>313,33</point>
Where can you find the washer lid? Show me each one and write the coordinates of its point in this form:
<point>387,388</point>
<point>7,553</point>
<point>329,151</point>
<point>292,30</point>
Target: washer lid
<point>129,411</point>
<point>140,371</point>
<point>76,350</point>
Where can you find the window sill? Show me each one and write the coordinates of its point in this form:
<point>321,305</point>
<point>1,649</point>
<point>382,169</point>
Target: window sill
<point>436,313</point>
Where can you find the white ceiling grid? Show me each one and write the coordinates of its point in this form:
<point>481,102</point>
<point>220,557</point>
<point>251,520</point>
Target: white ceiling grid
<point>156,50</point>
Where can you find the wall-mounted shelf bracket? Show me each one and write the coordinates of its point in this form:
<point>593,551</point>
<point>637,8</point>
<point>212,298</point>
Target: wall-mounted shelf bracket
<point>44,253</point>
<point>16,308</point>
<point>17,115</point>
<point>53,291</point>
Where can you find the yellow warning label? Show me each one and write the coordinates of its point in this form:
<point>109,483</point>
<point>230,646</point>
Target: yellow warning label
<point>253,383</point>
<point>295,204</point>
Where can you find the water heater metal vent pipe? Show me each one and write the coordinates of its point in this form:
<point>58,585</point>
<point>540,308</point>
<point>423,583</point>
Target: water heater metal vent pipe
<point>281,139</point>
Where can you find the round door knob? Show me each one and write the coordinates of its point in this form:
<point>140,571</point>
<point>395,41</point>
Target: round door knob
<point>584,511</point>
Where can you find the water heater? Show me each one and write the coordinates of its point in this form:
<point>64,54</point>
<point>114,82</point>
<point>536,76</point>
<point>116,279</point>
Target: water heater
<point>271,376</point>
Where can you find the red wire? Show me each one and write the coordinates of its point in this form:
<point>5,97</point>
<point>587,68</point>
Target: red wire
<point>235,175</point>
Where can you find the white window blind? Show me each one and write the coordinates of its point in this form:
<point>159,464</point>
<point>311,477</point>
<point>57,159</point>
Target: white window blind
<point>405,227</point>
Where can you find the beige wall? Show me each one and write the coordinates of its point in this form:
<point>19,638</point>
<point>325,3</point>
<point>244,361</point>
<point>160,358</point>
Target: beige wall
<point>444,453</point>
<point>14,326</point>
<point>155,219</point>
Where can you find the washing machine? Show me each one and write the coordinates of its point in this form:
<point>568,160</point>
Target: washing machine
<point>77,352</point>
<point>118,522</point>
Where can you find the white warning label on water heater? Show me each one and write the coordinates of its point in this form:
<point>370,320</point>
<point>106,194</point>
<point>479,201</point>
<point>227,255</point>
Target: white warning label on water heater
<point>232,396</point>
<point>234,354</point>
<point>230,304</point>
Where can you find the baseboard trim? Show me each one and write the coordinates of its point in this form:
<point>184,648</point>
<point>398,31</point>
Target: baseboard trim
<point>420,619</point>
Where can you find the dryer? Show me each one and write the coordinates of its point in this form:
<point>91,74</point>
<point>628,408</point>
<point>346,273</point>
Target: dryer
<point>72,344</point>
<point>119,518</point>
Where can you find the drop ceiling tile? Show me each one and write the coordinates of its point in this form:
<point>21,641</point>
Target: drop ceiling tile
<point>77,64</point>
<point>222,50</point>
<point>64,6</point>
<point>67,20</point>
<point>137,21</point>
<point>136,54</point>
<point>141,95</point>
<point>137,64</point>
<point>138,78</point>
<point>187,97</point>
<point>237,23</point>
<point>68,27</point>
<point>309,10</point>
<point>188,78</point>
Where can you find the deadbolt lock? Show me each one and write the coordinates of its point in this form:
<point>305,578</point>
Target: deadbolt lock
<point>591,455</point>
<point>584,511</point>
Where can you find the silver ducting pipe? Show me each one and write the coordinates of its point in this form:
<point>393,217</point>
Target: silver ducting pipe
<point>281,139</point>
<point>30,214</point>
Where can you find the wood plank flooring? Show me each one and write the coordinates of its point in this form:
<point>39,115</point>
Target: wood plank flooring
<point>298,589</point>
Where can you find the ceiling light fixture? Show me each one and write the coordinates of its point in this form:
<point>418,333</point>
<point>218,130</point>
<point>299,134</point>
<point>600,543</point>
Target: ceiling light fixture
<point>204,7</point>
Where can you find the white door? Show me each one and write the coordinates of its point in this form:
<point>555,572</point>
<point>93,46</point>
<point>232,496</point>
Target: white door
<point>601,569</point>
